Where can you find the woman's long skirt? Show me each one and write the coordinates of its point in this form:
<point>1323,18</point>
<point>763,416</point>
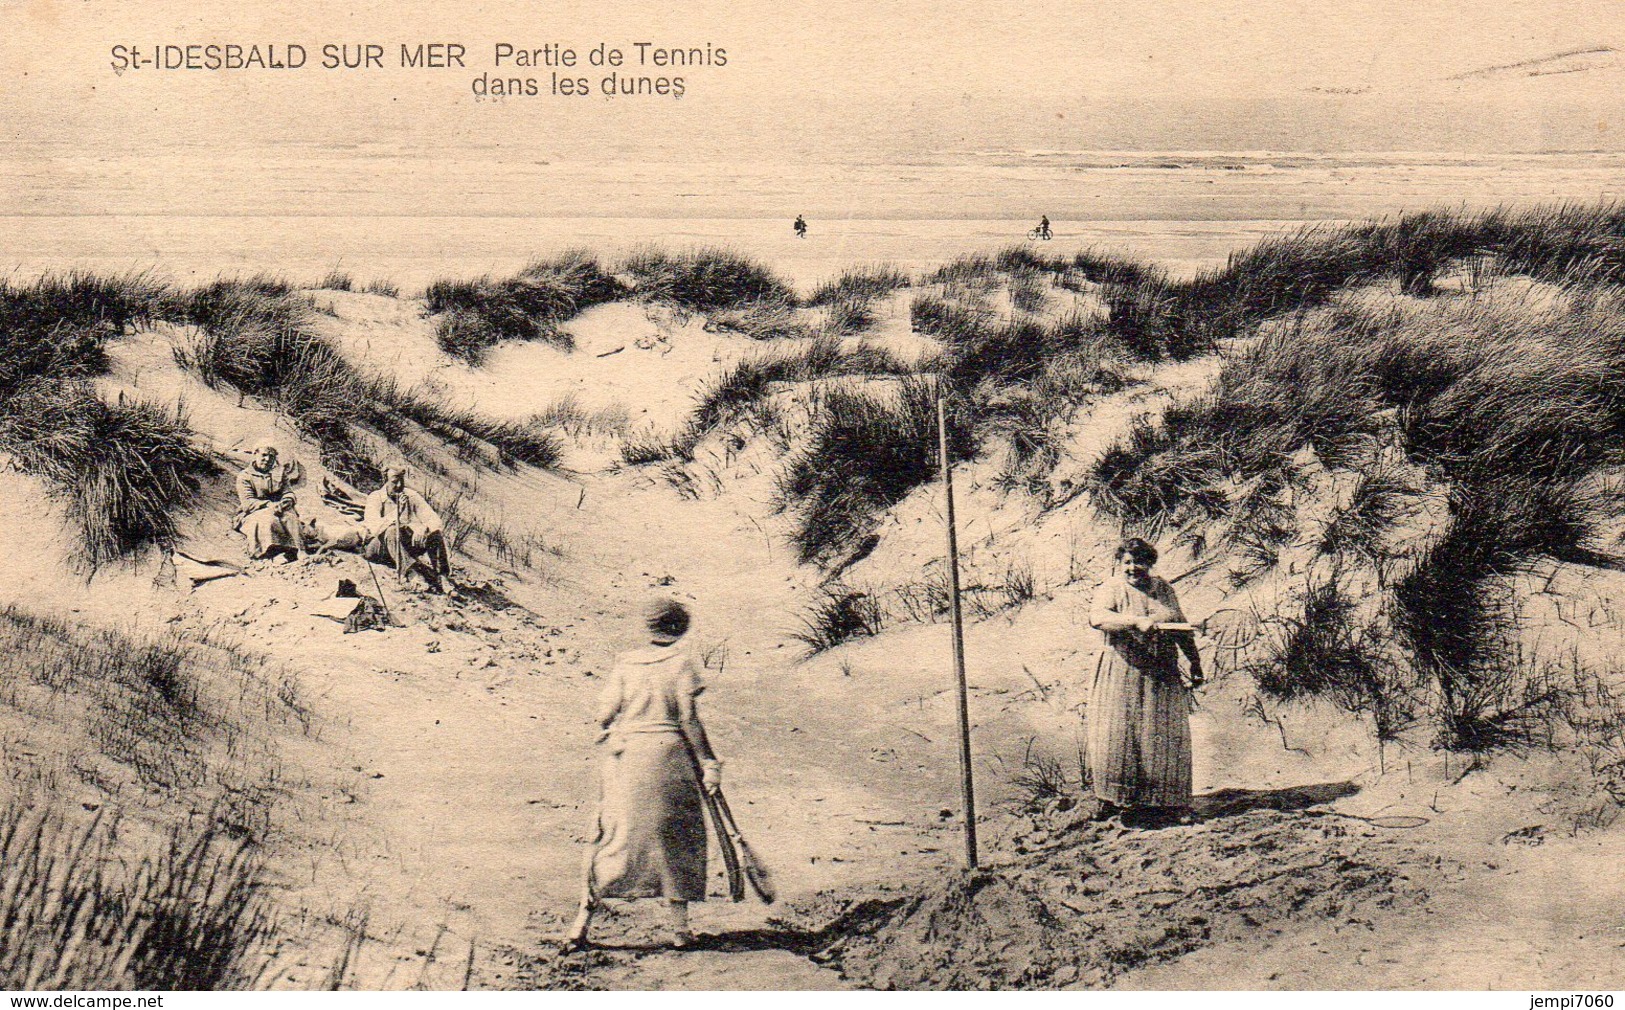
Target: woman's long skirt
<point>1139,735</point>
<point>651,821</point>
<point>266,531</point>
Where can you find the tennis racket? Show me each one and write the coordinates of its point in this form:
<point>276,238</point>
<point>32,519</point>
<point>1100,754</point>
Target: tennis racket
<point>1230,629</point>
<point>756,872</point>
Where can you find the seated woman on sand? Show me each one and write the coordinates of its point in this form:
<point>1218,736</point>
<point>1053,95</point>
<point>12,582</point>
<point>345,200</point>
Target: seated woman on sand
<point>267,514</point>
<point>1139,735</point>
<point>650,839</point>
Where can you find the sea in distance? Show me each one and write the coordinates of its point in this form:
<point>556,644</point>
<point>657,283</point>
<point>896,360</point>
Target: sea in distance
<point>409,218</point>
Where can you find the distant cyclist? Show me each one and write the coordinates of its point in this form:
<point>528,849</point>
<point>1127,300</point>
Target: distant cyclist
<point>801,226</point>
<point>1042,231</point>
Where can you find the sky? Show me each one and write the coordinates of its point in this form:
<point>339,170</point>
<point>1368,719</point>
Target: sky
<point>840,80</point>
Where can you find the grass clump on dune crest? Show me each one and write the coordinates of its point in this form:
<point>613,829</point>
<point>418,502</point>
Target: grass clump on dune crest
<point>850,315</point>
<point>336,280</point>
<point>866,283</point>
<point>256,337</point>
<point>742,389</point>
<point>473,436</point>
<point>704,280</point>
<point>476,315</point>
<point>838,615</point>
<point>1554,243</point>
<point>1303,269</point>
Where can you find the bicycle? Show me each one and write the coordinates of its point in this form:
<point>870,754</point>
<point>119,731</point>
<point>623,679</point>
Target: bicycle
<point>1040,234</point>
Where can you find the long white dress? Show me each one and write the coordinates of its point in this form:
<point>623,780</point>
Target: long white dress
<point>651,816</point>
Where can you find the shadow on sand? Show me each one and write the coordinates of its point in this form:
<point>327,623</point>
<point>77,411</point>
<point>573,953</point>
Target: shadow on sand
<point>733,941</point>
<point>1232,802</point>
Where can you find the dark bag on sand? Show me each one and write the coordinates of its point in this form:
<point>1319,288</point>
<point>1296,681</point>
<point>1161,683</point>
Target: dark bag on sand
<point>368,613</point>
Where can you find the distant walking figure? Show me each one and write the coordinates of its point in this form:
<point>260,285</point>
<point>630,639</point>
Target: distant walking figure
<point>1042,231</point>
<point>1139,737</point>
<point>801,226</point>
<point>650,840</point>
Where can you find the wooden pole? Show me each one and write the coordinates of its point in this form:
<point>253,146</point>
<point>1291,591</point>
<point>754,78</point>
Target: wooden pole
<point>966,784</point>
<point>400,546</point>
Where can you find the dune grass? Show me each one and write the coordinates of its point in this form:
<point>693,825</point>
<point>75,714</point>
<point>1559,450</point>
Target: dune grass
<point>839,612</point>
<point>838,615</point>
<point>116,902</point>
<point>1028,291</point>
<point>1557,243</point>
<point>646,446</point>
<point>705,279</point>
<point>336,280</point>
<point>975,271</point>
<point>1331,649</point>
<point>1512,410</point>
<point>762,319</point>
<point>947,319</point>
<point>475,437</point>
<point>80,915</point>
<point>740,391</point>
<point>850,315</point>
<point>866,283</point>
<point>182,714</point>
<point>569,415</point>
<point>865,451</point>
<point>1021,380</point>
<point>1305,268</point>
<point>476,315</point>
<point>257,338</point>
<point>57,326</point>
<point>126,470</point>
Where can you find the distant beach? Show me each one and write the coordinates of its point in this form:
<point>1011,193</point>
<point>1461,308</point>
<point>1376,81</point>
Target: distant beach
<point>410,218</point>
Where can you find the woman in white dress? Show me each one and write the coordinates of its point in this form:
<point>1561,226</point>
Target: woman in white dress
<point>650,840</point>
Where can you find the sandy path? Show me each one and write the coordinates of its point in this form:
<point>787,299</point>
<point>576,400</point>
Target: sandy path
<point>474,765</point>
<point>840,776</point>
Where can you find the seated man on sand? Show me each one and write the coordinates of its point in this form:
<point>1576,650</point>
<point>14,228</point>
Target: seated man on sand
<point>406,531</point>
<point>267,514</point>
